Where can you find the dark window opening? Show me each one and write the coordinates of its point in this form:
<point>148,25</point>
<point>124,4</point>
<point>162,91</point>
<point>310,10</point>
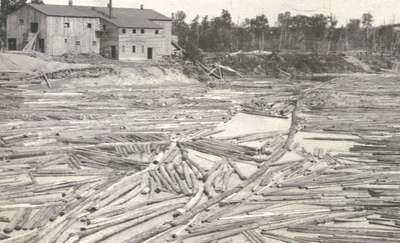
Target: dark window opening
<point>65,40</point>
<point>78,43</point>
<point>89,25</point>
<point>123,31</point>
<point>113,52</point>
<point>142,31</point>
<point>149,53</point>
<point>41,45</point>
<point>34,27</point>
<point>21,21</point>
<point>133,49</point>
<point>104,27</point>
<point>94,43</point>
<point>157,32</point>
<point>134,31</point>
<point>12,44</point>
<point>66,25</point>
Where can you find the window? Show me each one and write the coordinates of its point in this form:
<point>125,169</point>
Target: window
<point>157,32</point>
<point>123,48</point>
<point>89,25</point>
<point>104,27</point>
<point>134,31</point>
<point>142,31</point>
<point>94,43</point>
<point>34,27</point>
<point>133,49</point>
<point>65,40</point>
<point>12,44</point>
<point>78,43</point>
<point>123,31</point>
<point>21,21</point>
<point>66,25</point>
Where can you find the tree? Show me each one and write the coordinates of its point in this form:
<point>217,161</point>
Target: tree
<point>223,28</point>
<point>330,35</point>
<point>354,24</point>
<point>283,23</point>
<point>259,25</point>
<point>192,44</point>
<point>205,34</point>
<point>367,19</point>
<point>180,28</point>
<point>244,36</point>
<point>353,33</point>
<point>316,27</point>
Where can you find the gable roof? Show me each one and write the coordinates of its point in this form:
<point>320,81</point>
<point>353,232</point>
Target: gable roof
<point>121,17</point>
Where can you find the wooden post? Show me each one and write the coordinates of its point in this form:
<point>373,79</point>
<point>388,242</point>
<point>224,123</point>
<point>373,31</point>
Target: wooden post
<point>110,9</point>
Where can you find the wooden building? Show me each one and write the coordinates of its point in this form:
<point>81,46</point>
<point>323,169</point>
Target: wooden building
<point>118,33</point>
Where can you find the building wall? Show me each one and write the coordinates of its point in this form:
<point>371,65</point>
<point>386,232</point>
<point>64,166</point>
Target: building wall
<point>167,35</point>
<point>77,38</point>
<point>109,38</point>
<point>141,42</point>
<point>21,30</point>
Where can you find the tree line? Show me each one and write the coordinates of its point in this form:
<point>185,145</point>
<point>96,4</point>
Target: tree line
<point>317,33</point>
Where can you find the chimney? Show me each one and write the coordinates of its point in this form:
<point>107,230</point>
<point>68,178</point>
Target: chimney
<point>141,6</point>
<point>110,9</point>
<point>70,3</point>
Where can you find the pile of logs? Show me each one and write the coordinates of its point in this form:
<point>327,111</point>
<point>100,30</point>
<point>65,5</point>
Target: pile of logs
<point>109,163</point>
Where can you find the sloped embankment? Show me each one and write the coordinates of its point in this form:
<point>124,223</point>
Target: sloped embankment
<point>24,63</point>
<point>25,67</point>
<point>273,64</point>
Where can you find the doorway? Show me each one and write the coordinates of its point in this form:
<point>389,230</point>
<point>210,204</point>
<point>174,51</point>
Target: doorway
<point>41,45</point>
<point>12,44</point>
<point>149,53</point>
<point>113,52</point>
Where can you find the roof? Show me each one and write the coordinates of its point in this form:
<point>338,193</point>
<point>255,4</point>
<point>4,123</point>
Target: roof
<point>121,17</point>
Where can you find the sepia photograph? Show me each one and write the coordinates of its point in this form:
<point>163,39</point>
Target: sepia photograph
<point>182,121</point>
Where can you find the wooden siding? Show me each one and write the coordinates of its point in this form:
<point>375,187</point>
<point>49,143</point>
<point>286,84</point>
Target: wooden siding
<point>109,37</point>
<point>78,38</point>
<point>142,42</point>
<point>21,31</point>
<point>167,36</point>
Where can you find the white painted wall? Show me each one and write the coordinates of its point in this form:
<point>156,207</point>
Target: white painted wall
<point>142,42</point>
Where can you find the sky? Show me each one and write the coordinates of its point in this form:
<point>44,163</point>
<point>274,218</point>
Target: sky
<point>384,11</point>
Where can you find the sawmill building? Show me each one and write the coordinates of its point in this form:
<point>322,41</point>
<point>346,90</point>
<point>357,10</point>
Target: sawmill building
<point>117,33</point>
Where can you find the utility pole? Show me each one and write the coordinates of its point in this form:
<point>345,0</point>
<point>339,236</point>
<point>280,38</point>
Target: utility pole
<point>110,9</point>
